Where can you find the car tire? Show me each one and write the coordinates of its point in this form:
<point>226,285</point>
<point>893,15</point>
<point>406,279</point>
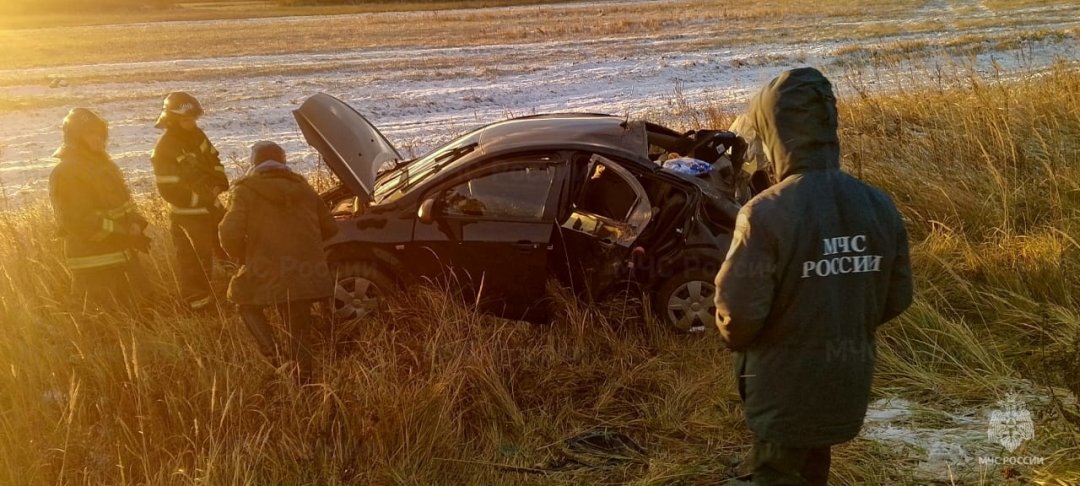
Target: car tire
<point>686,301</point>
<point>360,290</point>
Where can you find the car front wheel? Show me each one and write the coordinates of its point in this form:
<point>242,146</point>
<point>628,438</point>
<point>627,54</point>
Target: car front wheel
<point>686,301</point>
<point>360,290</point>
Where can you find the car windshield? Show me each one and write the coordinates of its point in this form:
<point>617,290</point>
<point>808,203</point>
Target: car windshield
<point>396,183</point>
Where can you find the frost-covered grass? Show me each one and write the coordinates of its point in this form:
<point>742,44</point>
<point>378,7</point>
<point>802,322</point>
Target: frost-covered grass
<point>984,171</point>
<point>414,74</point>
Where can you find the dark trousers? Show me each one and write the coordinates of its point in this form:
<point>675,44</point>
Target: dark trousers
<point>774,464</point>
<point>296,317</point>
<point>109,287</point>
<point>195,239</point>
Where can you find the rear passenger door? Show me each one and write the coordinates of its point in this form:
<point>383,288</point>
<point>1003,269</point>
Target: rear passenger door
<point>608,210</point>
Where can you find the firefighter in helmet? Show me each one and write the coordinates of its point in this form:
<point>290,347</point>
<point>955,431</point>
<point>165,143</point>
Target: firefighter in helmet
<point>100,225</point>
<point>190,177</point>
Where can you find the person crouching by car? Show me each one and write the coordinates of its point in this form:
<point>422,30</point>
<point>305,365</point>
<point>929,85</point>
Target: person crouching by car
<point>274,228</point>
<point>101,227</point>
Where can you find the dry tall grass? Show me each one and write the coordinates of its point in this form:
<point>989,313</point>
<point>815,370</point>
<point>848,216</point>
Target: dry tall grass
<point>432,393</point>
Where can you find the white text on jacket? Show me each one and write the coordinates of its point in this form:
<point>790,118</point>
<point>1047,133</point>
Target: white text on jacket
<point>842,255</point>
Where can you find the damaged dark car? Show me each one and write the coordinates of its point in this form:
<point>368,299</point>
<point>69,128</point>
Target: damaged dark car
<point>580,198</point>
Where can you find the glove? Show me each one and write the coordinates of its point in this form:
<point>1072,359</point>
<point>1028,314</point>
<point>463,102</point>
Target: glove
<point>136,240</point>
<point>139,242</point>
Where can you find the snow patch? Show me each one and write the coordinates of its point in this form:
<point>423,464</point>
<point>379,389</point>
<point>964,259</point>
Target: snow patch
<point>946,444</point>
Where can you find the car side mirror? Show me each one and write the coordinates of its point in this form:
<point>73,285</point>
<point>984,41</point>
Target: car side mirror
<point>426,213</point>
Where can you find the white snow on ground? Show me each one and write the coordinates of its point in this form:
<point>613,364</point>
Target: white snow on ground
<point>417,106</point>
<point>947,445</point>
<point>946,450</point>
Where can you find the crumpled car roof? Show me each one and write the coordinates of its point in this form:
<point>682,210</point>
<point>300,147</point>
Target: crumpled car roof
<point>610,133</point>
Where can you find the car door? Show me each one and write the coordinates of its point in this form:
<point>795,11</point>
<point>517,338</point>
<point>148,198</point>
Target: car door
<point>490,231</point>
<point>605,211</point>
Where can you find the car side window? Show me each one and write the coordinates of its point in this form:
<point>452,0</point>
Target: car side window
<point>606,193</point>
<point>518,194</point>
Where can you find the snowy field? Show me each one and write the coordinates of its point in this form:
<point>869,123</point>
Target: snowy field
<point>423,95</point>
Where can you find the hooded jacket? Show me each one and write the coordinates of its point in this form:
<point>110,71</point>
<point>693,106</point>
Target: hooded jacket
<point>817,262</point>
<point>275,227</point>
<point>93,209</point>
<point>187,168</point>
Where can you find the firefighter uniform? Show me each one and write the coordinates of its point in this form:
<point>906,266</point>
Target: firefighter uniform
<point>189,176</point>
<point>99,223</point>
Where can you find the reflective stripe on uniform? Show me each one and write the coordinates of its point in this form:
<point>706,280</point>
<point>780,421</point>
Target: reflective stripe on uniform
<point>194,199</point>
<point>219,168</point>
<point>119,211</point>
<point>97,261</point>
<point>190,211</point>
<point>169,179</point>
<point>204,146</point>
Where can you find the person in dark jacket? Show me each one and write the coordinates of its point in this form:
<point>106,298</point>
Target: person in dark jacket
<point>190,177</point>
<point>275,228</point>
<point>101,227</point>
<point>818,261</point>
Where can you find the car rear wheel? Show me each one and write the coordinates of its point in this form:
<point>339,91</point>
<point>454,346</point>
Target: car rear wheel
<point>686,301</point>
<point>360,290</point>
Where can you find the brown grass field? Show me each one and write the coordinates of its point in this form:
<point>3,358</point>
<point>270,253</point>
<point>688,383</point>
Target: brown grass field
<point>318,29</point>
<point>34,16</point>
<point>985,171</point>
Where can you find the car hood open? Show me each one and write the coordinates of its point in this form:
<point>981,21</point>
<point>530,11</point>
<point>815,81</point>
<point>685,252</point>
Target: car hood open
<point>353,148</point>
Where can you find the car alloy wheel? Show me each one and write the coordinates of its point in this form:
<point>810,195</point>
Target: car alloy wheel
<point>360,291</point>
<point>356,297</point>
<point>691,307</point>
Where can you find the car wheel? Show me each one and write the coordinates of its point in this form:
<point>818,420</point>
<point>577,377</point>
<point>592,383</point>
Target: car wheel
<point>687,300</point>
<point>360,290</point>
